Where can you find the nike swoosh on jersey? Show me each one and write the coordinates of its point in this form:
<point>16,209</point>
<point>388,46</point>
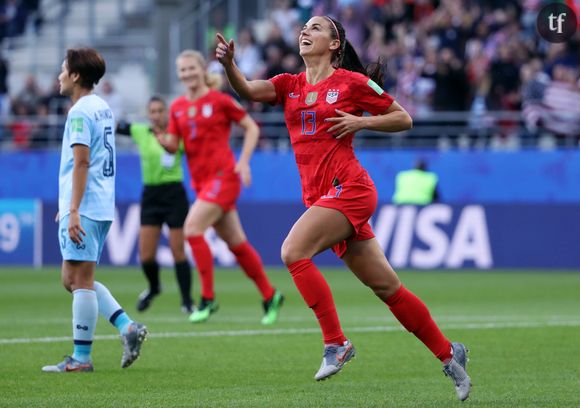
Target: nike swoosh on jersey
<point>293,96</point>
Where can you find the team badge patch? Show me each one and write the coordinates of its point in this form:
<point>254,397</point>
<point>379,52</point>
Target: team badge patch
<point>332,95</point>
<point>311,98</point>
<point>191,111</point>
<point>77,124</point>
<point>206,110</point>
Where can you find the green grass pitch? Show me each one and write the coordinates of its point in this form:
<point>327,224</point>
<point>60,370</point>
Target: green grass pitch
<point>523,330</point>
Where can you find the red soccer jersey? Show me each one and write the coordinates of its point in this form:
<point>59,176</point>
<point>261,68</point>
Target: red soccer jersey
<point>204,126</point>
<point>320,157</point>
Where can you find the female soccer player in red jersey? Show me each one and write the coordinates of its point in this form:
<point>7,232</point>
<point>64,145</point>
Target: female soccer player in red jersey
<point>323,109</point>
<point>202,120</point>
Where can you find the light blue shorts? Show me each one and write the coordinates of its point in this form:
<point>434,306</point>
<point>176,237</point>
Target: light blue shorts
<point>91,247</point>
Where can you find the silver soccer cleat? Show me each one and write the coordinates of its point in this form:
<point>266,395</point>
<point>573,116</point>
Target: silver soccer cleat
<point>455,369</point>
<point>333,359</point>
<point>132,342</point>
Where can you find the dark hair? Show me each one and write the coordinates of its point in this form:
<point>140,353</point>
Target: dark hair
<point>421,164</point>
<point>346,57</point>
<point>86,62</point>
<point>156,98</point>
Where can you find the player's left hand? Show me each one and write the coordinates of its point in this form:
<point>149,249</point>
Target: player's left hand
<point>75,230</point>
<point>345,123</point>
<point>243,169</point>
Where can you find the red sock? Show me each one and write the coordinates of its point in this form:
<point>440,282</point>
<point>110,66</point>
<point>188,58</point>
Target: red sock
<point>251,263</point>
<point>415,317</point>
<point>204,261</point>
<point>316,293</point>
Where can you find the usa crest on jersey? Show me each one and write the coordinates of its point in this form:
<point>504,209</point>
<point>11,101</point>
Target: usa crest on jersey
<point>332,95</point>
<point>206,110</point>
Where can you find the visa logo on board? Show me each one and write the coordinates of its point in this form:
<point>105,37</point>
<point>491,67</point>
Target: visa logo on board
<point>433,236</point>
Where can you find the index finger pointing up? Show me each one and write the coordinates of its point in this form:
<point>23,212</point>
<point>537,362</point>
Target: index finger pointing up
<point>221,39</point>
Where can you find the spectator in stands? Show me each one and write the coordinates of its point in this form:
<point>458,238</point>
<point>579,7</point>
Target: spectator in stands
<point>248,58</point>
<point>534,82</point>
<point>505,79</point>
<point>292,63</point>
<point>12,18</point>
<point>354,24</point>
<point>220,24</point>
<point>4,98</point>
<point>416,186</point>
<point>56,104</point>
<point>33,11</point>
<point>561,102</point>
<point>274,38</point>
<point>285,17</point>
<point>273,62</point>
<point>21,127</point>
<point>29,97</point>
<point>42,133</point>
<point>113,99</point>
<point>450,83</point>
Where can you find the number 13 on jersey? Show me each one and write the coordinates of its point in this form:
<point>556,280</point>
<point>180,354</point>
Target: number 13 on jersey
<point>308,122</point>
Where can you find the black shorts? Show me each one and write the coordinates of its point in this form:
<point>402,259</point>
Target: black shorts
<point>164,204</point>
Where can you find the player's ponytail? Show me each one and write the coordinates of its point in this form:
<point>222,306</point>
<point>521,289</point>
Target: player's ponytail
<point>212,80</point>
<point>346,57</point>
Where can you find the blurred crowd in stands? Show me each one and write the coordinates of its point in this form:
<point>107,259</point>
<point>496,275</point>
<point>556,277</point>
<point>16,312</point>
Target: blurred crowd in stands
<point>14,15</point>
<point>474,56</point>
<point>447,55</point>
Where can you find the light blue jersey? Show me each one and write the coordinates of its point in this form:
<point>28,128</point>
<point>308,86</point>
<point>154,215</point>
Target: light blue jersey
<point>90,122</point>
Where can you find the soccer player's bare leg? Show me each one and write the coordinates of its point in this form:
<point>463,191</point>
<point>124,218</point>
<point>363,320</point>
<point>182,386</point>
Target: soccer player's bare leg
<point>148,240</point>
<point>315,231</point>
<point>368,262</point>
<point>182,268</point>
<point>77,277</point>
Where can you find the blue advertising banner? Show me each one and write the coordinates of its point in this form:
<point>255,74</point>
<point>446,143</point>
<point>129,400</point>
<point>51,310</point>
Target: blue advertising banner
<point>435,236</point>
<point>20,232</point>
<point>482,177</point>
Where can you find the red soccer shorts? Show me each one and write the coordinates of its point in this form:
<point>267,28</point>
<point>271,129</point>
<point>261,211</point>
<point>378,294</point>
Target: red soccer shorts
<point>222,190</point>
<point>357,201</point>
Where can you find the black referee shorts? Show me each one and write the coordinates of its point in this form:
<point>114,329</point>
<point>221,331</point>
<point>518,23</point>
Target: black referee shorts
<point>164,204</point>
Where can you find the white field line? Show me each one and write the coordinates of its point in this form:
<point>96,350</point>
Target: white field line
<point>367,329</point>
<point>244,319</point>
